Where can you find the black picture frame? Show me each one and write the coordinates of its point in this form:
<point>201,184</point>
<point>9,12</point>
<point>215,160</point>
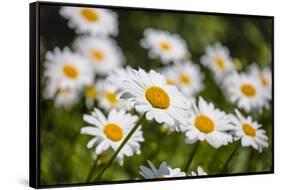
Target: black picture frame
<point>35,93</point>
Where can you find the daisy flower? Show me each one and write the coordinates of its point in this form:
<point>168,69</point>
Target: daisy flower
<point>151,95</point>
<point>249,131</point>
<point>164,171</point>
<point>94,21</point>
<point>199,172</point>
<point>109,96</point>
<point>244,90</point>
<point>90,95</point>
<point>109,132</point>
<point>103,53</point>
<point>264,76</point>
<point>68,70</point>
<point>168,47</point>
<point>218,60</point>
<point>63,98</point>
<point>186,76</point>
<point>210,124</point>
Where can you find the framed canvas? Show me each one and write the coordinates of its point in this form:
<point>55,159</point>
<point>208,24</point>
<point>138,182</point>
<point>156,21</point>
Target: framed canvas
<point>120,94</point>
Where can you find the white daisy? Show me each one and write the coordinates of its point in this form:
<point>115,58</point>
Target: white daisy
<point>103,53</point>
<point>168,47</point>
<point>249,131</point>
<point>110,131</point>
<point>109,96</point>
<point>94,21</point>
<point>90,95</point>
<point>218,60</point>
<point>244,90</point>
<point>186,76</point>
<point>63,98</point>
<point>199,172</point>
<point>151,95</point>
<point>210,124</point>
<point>66,98</point>
<point>67,70</point>
<point>264,76</point>
<point>164,171</point>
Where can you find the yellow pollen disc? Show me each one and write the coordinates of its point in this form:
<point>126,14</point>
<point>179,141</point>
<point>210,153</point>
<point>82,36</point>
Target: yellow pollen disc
<point>113,132</point>
<point>165,46</point>
<point>97,55</point>
<point>249,130</point>
<point>160,177</point>
<point>111,97</point>
<point>184,79</point>
<point>248,90</point>
<point>220,63</point>
<point>204,124</point>
<point>90,91</point>
<point>170,82</point>
<point>157,97</point>
<point>264,81</point>
<point>89,14</point>
<point>70,71</point>
<point>63,93</point>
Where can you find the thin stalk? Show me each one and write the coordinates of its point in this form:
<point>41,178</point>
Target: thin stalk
<point>230,157</point>
<point>120,147</point>
<point>89,176</point>
<point>191,157</point>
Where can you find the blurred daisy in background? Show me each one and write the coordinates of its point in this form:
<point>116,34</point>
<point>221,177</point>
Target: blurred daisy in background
<point>109,132</point>
<point>208,124</point>
<point>63,98</point>
<point>103,53</point>
<point>186,76</point>
<point>153,96</point>
<point>199,172</point>
<point>249,132</point>
<point>218,60</point>
<point>109,96</point>
<point>264,76</point>
<point>90,95</point>
<point>93,21</point>
<point>66,98</point>
<point>164,45</point>
<point>164,171</point>
<point>245,90</point>
<point>67,70</point>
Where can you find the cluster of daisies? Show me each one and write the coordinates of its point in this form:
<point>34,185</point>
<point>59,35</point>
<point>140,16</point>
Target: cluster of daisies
<point>93,69</point>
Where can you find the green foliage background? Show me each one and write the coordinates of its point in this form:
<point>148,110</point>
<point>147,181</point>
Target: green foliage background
<point>64,156</point>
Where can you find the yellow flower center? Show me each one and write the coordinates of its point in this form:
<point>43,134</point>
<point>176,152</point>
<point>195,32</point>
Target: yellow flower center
<point>204,124</point>
<point>157,97</point>
<point>160,177</point>
<point>185,79</point>
<point>111,97</point>
<point>170,82</point>
<point>70,71</point>
<point>248,90</point>
<point>249,130</point>
<point>220,63</point>
<point>264,80</point>
<point>63,93</point>
<point>90,91</point>
<point>165,46</point>
<point>89,14</point>
<point>113,132</point>
<point>97,55</point>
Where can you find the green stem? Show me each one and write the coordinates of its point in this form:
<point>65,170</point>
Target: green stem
<point>120,147</point>
<point>230,158</point>
<point>190,158</point>
<point>89,176</point>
